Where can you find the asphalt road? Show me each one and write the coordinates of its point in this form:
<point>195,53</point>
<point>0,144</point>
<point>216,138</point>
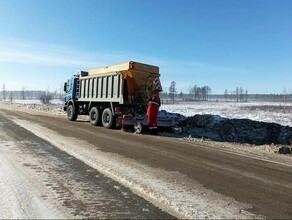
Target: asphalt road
<point>265,185</point>
<point>69,187</point>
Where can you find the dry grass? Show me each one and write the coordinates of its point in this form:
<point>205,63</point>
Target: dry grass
<point>269,108</point>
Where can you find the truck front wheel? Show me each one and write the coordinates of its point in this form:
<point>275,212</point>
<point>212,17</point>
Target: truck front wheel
<point>94,116</point>
<point>71,113</point>
<point>107,118</point>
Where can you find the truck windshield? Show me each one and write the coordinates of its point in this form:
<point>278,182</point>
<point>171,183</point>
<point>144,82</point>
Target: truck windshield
<point>68,85</point>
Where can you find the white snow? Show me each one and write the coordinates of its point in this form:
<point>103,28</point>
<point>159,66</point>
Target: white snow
<point>35,101</point>
<point>234,110</point>
<point>20,197</point>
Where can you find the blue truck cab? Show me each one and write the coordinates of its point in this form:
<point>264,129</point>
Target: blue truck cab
<point>70,89</point>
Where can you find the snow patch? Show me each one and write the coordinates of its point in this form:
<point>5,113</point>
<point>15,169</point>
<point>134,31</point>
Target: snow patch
<point>281,114</point>
<point>19,198</point>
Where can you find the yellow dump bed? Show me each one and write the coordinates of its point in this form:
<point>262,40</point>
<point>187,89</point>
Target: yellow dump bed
<point>127,83</point>
<point>130,65</point>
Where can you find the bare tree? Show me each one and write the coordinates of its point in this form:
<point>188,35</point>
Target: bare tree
<point>204,93</point>
<point>241,94</point>
<point>4,92</point>
<point>285,97</point>
<point>11,96</point>
<point>246,95</point>
<point>163,96</point>
<point>23,92</point>
<point>172,90</point>
<point>206,90</point>
<point>200,93</point>
<point>193,91</point>
<point>61,92</point>
<point>226,95</point>
<point>237,94</point>
<point>181,95</point>
<point>46,97</point>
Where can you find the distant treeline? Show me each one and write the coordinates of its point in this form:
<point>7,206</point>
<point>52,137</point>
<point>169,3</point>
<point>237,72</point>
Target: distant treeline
<point>166,97</point>
<point>229,98</point>
<point>204,93</point>
<point>28,94</point>
<point>256,97</point>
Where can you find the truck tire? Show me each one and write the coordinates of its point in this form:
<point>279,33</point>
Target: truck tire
<point>107,118</point>
<point>177,129</point>
<point>94,116</point>
<point>71,113</point>
<point>138,127</point>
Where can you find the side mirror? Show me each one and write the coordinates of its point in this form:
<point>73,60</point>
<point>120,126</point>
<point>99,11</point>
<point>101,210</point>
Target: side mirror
<point>65,87</point>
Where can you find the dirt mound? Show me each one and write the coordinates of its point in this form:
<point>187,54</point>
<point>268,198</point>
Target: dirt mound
<point>217,128</point>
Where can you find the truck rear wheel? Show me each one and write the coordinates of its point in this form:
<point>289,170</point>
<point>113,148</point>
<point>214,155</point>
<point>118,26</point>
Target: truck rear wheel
<point>71,113</point>
<point>94,116</point>
<point>107,118</point>
<point>138,128</point>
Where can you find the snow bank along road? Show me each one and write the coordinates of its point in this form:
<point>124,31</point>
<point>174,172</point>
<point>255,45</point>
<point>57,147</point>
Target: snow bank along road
<point>52,168</point>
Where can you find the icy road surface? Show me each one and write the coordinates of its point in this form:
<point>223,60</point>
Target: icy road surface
<point>173,192</point>
<point>40,181</point>
<point>37,180</point>
<point>19,197</point>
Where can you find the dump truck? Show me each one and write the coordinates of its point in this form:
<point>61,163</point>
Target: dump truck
<point>115,96</point>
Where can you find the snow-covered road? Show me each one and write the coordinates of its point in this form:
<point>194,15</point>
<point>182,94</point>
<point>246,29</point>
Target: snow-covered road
<point>38,181</point>
<point>171,191</point>
<point>21,194</point>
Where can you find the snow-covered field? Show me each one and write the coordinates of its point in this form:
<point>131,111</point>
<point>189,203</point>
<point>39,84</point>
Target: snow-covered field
<point>36,101</point>
<point>280,113</point>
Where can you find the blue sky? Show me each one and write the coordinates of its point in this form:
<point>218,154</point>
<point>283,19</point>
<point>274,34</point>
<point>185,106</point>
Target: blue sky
<point>223,44</point>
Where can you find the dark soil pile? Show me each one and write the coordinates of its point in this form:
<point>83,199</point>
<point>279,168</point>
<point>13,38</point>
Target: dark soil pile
<point>217,128</point>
